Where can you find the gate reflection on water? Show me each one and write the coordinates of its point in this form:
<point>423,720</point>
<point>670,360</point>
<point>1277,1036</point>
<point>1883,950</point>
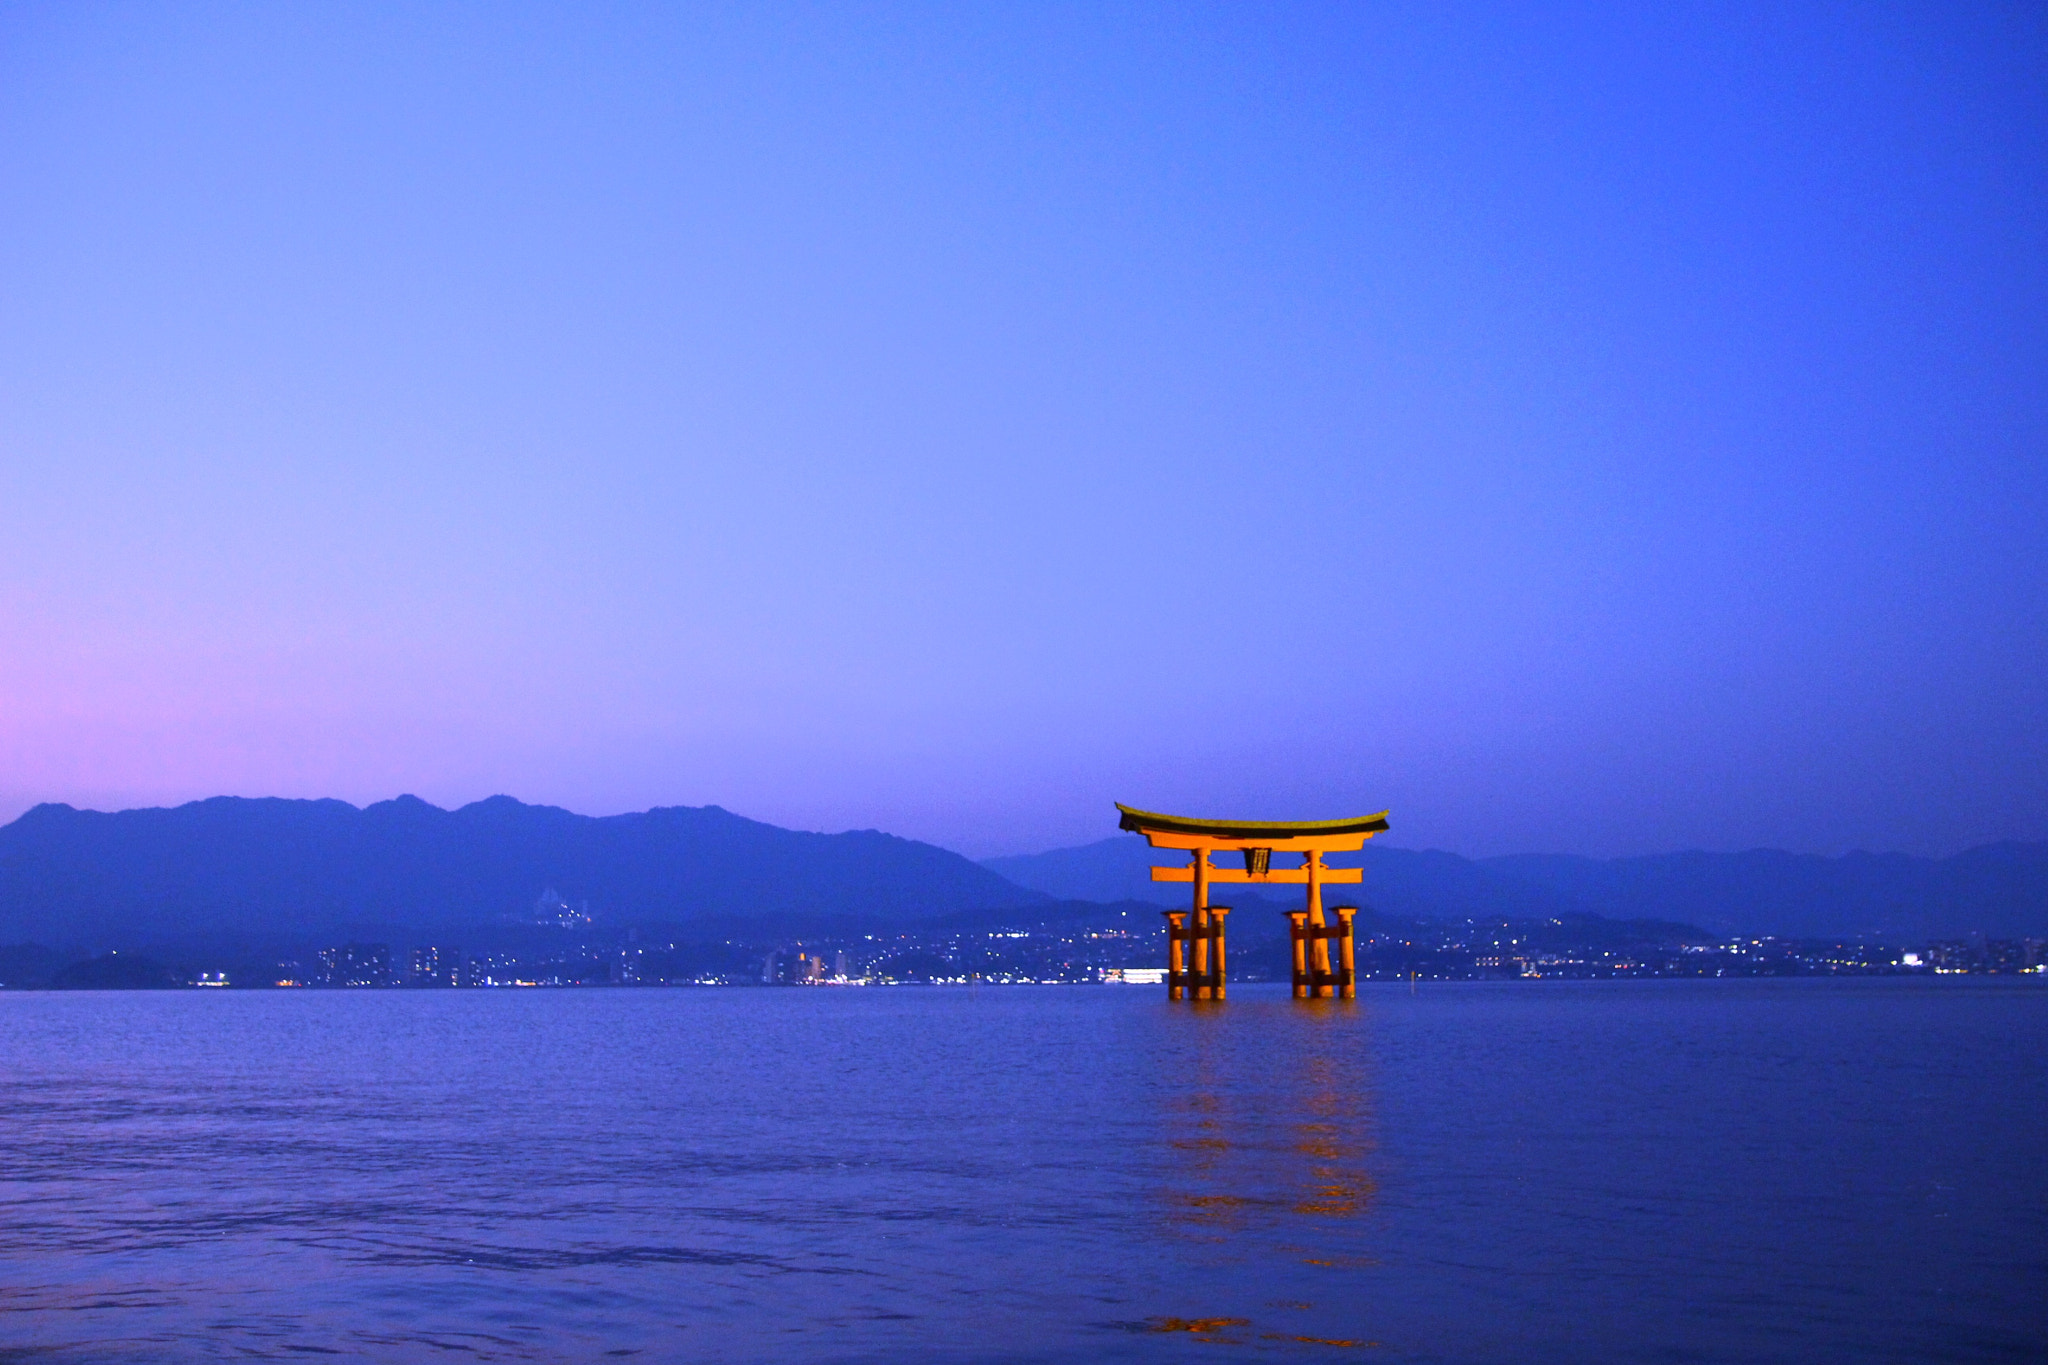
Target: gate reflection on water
<point>1273,1165</point>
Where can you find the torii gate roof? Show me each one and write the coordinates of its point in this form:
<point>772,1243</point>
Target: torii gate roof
<point>1278,831</point>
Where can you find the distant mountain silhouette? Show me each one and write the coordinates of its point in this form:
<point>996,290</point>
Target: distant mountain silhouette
<point>237,866</point>
<point>76,879</point>
<point>117,972</point>
<point>28,964</point>
<point>1998,889</point>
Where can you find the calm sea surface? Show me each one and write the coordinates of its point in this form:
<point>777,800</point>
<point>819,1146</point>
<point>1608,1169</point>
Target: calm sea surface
<point>1611,1171</point>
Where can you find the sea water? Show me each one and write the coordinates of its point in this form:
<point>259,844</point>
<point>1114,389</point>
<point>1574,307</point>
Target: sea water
<point>1850,1170</point>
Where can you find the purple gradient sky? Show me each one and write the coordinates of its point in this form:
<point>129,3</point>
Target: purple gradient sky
<point>1603,429</point>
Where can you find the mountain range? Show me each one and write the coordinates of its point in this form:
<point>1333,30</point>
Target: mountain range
<point>238,866</point>
<point>1998,889</point>
<point>269,867</point>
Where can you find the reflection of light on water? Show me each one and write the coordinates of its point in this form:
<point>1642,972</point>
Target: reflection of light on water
<point>1201,1150</point>
<point>1267,1145</point>
<point>1277,1148</point>
<point>1216,1331</point>
<point>1331,1139</point>
<point>1201,1327</point>
<point>1314,1341</point>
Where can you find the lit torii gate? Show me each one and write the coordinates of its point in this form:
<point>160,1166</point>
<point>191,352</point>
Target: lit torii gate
<point>1198,974</point>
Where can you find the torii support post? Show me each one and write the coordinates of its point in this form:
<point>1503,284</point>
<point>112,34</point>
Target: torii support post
<point>1319,947</point>
<point>1205,977</point>
<point>1347,971</point>
<point>1195,954</point>
<point>1314,977</point>
<point>1297,927</point>
<point>1217,973</point>
<point>1176,956</point>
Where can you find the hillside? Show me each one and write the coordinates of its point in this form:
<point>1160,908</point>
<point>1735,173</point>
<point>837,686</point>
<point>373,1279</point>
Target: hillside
<point>240,866</point>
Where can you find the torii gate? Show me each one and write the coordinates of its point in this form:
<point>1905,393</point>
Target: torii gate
<point>1201,928</point>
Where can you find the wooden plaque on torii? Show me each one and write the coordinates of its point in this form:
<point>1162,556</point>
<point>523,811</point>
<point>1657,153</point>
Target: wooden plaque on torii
<point>1194,937</point>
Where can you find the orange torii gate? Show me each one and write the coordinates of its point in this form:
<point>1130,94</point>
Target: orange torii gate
<point>1201,928</point>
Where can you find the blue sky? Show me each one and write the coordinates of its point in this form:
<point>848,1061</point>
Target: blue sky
<point>1596,429</point>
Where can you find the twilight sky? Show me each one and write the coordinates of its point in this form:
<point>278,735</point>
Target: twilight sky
<point>1604,429</point>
